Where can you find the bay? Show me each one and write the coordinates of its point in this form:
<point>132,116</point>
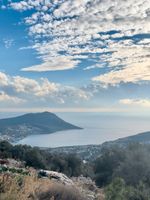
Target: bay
<point>97,128</point>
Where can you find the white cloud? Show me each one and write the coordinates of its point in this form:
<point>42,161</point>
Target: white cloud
<point>73,28</point>
<point>8,43</point>
<point>25,5</point>
<point>58,63</point>
<point>136,73</point>
<point>3,7</point>
<point>11,99</point>
<point>3,79</point>
<point>80,23</point>
<point>136,102</point>
<point>145,41</point>
<point>42,90</point>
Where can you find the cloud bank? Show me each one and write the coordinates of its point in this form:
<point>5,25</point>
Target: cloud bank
<point>113,34</point>
<point>20,89</point>
<point>136,102</point>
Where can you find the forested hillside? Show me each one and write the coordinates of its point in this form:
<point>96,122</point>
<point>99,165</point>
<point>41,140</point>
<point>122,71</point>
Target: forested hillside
<point>122,172</point>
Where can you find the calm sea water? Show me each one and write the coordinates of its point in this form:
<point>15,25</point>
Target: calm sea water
<point>97,128</point>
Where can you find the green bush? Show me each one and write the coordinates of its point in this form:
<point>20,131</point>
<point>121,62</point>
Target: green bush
<point>118,190</point>
<point>71,165</point>
<point>136,165</point>
<point>107,163</point>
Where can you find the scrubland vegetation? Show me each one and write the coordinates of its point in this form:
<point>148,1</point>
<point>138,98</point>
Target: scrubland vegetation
<point>18,187</point>
<point>122,172</point>
<point>40,159</point>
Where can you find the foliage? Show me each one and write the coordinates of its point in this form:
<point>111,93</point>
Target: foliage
<point>18,187</point>
<point>125,172</point>
<point>71,165</point>
<point>116,190</point>
<point>136,165</point>
<point>5,149</point>
<point>106,164</point>
<point>59,192</point>
<point>119,190</point>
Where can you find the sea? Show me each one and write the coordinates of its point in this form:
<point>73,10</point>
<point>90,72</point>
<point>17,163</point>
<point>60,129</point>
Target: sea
<point>97,129</point>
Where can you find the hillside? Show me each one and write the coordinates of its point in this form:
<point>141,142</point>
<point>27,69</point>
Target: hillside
<point>16,128</point>
<point>91,152</point>
<point>21,183</point>
<point>143,138</point>
<point>31,173</point>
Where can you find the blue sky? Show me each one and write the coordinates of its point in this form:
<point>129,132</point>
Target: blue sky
<point>73,55</point>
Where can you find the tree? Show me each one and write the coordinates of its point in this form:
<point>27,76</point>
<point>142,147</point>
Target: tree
<point>106,164</point>
<point>34,159</point>
<point>136,165</point>
<point>5,149</point>
<point>116,190</point>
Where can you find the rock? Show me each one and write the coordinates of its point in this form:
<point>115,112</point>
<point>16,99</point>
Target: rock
<point>12,163</point>
<point>88,188</point>
<point>56,176</point>
<point>84,185</point>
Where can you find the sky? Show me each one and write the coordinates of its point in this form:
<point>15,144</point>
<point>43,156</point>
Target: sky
<point>75,56</point>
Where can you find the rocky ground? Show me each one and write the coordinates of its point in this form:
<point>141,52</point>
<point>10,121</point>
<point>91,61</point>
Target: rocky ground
<point>18,182</point>
<point>88,188</point>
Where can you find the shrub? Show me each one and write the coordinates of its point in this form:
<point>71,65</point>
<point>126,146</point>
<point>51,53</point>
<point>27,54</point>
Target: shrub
<point>116,190</point>
<point>58,192</point>
<point>18,187</point>
<point>107,163</point>
<point>119,190</point>
<point>70,165</point>
<point>136,165</point>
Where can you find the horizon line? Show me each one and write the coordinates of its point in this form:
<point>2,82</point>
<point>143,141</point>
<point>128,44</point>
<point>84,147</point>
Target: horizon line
<point>69,110</point>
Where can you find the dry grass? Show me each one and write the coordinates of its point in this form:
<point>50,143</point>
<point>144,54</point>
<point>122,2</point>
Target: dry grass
<point>18,187</point>
<point>58,192</point>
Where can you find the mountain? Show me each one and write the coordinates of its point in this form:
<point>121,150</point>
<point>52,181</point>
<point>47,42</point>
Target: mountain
<point>143,138</point>
<point>16,128</point>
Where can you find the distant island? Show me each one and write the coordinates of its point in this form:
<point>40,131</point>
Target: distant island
<point>17,128</point>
